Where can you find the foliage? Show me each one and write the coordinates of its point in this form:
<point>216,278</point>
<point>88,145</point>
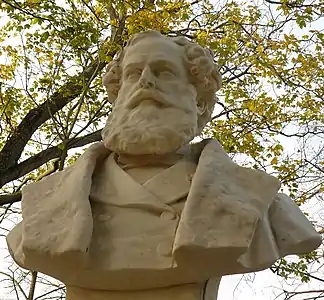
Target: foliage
<point>270,53</point>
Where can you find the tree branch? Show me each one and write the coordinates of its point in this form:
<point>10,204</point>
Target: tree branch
<point>11,152</point>
<point>18,7</point>
<point>13,148</point>
<point>292,4</point>
<point>32,285</point>
<point>43,157</point>
<point>39,159</point>
<point>9,199</point>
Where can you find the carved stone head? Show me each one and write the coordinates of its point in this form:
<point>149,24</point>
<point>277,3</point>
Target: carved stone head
<point>163,93</point>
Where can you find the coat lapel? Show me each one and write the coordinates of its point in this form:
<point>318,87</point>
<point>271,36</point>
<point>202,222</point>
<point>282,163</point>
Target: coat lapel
<point>173,183</point>
<point>160,191</point>
<point>112,185</point>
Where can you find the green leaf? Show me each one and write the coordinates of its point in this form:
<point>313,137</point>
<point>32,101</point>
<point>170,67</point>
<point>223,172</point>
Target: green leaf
<point>44,37</point>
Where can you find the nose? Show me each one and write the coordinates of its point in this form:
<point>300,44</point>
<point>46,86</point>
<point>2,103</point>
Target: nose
<point>146,80</point>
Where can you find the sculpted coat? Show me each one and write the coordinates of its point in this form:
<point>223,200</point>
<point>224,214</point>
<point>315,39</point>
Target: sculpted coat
<point>201,218</point>
<point>158,231</point>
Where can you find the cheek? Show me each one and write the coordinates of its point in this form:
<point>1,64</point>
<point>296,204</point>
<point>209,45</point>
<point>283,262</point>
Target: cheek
<point>184,94</point>
<point>191,91</point>
<point>177,88</point>
<point>123,93</point>
<point>188,94</point>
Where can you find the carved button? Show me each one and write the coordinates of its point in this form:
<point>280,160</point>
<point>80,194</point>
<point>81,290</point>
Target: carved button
<point>102,218</point>
<point>190,176</point>
<point>165,249</point>
<point>168,215</point>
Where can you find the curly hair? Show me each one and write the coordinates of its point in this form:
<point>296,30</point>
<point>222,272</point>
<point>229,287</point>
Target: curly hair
<point>202,72</point>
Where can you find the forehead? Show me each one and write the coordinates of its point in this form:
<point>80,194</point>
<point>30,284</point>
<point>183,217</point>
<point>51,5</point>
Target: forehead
<point>151,49</point>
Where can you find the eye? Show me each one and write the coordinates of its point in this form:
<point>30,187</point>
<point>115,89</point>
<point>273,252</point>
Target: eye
<point>133,73</point>
<point>165,74</point>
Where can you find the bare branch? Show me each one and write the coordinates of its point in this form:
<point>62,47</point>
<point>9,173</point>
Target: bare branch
<point>9,199</point>
<point>32,285</point>
<point>13,148</point>
<point>11,152</point>
<point>43,157</point>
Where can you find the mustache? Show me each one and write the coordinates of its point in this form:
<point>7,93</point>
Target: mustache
<point>145,94</point>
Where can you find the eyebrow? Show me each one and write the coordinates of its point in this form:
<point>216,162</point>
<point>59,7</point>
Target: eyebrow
<point>133,64</point>
<point>167,63</point>
<point>154,62</point>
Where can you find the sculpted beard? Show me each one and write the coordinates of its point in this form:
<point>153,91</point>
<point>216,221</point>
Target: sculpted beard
<point>148,129</point>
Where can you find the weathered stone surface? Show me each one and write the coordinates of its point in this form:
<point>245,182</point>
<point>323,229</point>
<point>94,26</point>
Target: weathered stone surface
<point>144,215</point>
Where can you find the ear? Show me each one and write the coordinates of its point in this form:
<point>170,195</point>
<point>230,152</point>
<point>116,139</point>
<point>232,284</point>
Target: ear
<point>111,81</point>
<point>201,107</point>
<point>112,92</point>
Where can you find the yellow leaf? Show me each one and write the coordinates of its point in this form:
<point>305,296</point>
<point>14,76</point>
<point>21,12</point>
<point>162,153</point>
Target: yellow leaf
<point>274,161</point>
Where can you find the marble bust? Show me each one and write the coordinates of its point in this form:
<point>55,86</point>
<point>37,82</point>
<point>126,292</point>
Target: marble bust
<point>144,214</point>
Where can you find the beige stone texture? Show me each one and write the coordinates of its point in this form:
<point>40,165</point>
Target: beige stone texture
<point>191,291</point>
<point>144,215</point>
<point>163,92</point>
<point>182,292</point>
<point>117,234</point>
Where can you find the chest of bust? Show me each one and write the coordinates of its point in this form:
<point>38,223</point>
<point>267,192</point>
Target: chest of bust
<point>134,223</point>
<point>182,292</point>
